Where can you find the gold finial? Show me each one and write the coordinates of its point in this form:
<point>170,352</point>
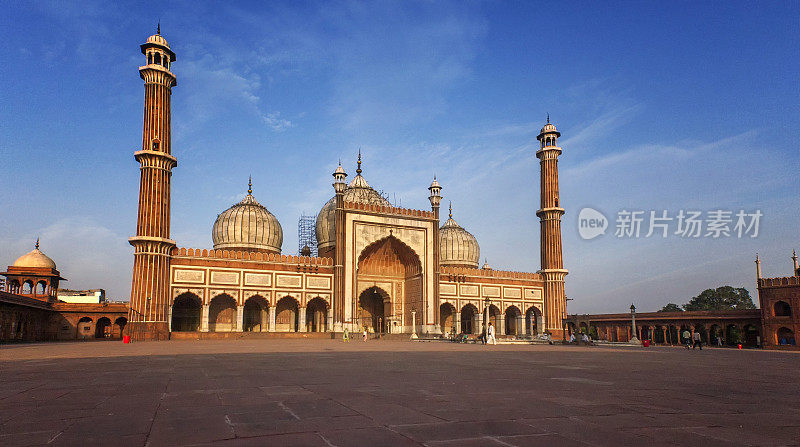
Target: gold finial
<point>250,185</point>
<point>451,209</point>
<point>158,28</point>
<point>756,257</point>
<point>794,254</point>
<point>37,243</point>
<point>358,171</point>
<point>548,117</point>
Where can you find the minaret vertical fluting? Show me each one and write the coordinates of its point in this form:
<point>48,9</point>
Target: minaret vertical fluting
<point>339,186</point>
<point>550,212</point>
<point>435,199</point>
<point>152,243</point>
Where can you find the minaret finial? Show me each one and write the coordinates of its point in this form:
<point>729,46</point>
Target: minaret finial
<point>158,28</point>
<point>37,243</point>
<point>358,171</point>
<point>548,117</point>
<point>451,209</point>
<point>250,185</point>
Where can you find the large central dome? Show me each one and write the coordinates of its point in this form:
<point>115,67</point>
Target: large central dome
<point>358,191</point>
<point>247,226</point>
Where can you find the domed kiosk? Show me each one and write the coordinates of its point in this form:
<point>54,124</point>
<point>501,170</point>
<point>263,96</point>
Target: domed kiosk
<point>34,274</point>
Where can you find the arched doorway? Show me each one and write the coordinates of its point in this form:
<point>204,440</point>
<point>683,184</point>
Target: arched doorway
<point>732,335</point>
<point>286,315</point>
<point>447,318</point>
<point>372,305</point>
<point>468,315</point>
<point>786,337</point>
<point>496,318</point>
<point>782,309</point>
<point>715,335</point>
<point>750,335</point>
<point>84,328</point>
<point>389,260</point>
<point>256,314</point>
<point>222,314</point>
<point>103,328</point>
<point>532,318</point>
<point>120,326</point>
<point>186,313</point>
<point>512,319</point>
<point>316,315</point>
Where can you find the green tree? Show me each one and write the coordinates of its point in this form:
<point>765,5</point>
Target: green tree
<point>721,298</point>
<point>671,307</point>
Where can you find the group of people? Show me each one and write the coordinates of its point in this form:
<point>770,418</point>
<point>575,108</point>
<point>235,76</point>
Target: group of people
<point>585,339</point>
<point>692,339</point>
<point>487,336</point>
<point>366,332</point>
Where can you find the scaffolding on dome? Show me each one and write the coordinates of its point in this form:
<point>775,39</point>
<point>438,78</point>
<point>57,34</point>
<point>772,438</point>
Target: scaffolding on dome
<point>307,236</point>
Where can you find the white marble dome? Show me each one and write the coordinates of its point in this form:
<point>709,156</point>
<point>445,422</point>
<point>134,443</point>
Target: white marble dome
<point>457,246</point>
<point>358,191</point>
<point>158,40</point>
<point>35,259</point>
<point>247,226</point>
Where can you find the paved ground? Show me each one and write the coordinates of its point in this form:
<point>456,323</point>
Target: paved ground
<point>325,392</point>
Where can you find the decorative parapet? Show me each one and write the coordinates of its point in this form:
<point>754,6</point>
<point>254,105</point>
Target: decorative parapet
<point>383,209</point>
<point>779,282</point>
<point>489,273</point>
<point>251,256</point>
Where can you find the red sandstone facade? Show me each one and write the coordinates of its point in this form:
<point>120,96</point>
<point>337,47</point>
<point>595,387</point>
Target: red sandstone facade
<point>728,328</point>
<point>779,300</point>
<point>381,267</point>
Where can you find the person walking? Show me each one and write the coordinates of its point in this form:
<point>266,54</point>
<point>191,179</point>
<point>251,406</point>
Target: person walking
<point>491,335</point>
<point>697,341</point>
<point>687,337</point>
<point>346,335</point>
<point>365,334</point>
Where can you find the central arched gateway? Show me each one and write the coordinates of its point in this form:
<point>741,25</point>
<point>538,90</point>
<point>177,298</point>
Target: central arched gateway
<point>389,270</point>
<point>372,304</point>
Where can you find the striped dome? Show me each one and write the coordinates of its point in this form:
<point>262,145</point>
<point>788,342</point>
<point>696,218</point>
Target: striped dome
<point>457,246</point>
<point>247,226</point>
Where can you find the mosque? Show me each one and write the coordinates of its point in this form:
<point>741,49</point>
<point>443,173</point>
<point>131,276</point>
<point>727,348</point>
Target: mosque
<point>391,270</point>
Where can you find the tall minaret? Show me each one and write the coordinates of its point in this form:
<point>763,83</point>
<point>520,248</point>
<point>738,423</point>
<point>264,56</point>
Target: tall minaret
<point>550,212</point>
<point>152,245</point>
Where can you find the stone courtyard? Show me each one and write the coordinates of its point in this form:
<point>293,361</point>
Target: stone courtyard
<point>390,393</point>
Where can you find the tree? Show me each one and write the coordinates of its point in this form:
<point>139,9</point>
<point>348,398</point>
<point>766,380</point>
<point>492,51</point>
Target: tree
<point>721,298</point>
<point>671,307</point>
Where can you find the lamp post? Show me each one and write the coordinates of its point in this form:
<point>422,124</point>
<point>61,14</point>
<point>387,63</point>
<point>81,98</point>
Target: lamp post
<point>487,302</point>
<point>634,340</point>
<point>414,323</point>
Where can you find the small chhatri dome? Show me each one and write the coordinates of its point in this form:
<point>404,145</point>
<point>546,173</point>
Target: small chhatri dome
<point>158,40</point>
<point>358,191</point>
<point>435,184</point>
<point>247,226</point>
<point>35,259</point>
<point>457,246</point>
<point>549,128</point>
<point>486,265</point>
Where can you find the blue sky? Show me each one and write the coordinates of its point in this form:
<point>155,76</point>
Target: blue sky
<point>661,105</point>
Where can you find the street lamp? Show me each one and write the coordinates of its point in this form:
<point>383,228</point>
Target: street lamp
<point>634,339</point>
<point>414,323</point>
<point>486,304</point>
